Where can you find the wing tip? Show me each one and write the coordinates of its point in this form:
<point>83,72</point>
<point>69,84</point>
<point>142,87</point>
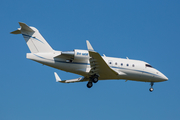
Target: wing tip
<point>57,77</point>
<point>89,46</point>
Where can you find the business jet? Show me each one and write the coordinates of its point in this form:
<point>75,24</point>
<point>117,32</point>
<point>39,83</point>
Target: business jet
<point>87,63</point>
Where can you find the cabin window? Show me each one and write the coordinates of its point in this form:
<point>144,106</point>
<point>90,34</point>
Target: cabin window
<point>116,63</point>
<point>133,65</point>
<point>121,64</point>
<point>127,64</point>
<point>148,65</point>
<point>110,62</point>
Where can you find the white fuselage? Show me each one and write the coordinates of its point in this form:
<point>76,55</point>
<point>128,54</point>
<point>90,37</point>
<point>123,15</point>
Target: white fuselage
<point>126,68</point>
<point>87,63</point>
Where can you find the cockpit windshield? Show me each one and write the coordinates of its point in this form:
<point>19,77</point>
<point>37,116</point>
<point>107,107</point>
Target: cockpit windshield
<point>148,65</point>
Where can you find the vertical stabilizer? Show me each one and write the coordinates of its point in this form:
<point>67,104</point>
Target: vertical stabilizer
<point>33,38</point>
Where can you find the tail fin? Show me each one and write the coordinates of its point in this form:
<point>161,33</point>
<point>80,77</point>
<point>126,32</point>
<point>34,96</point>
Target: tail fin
<point>33,38</point>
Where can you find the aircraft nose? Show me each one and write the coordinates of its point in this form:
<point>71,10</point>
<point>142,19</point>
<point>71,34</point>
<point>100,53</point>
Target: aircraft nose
<point>160,76</point>
<point>163,77</point>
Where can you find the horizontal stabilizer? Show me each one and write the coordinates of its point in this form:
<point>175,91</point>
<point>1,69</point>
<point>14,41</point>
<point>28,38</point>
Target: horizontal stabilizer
<point>25,27</point>
<point>18,31</point>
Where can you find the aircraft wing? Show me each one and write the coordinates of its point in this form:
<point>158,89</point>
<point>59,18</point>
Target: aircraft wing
<point>81,79</point>
<point>99,66</point>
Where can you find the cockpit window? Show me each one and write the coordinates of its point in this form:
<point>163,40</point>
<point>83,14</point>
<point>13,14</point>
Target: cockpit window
<point>148,65</point>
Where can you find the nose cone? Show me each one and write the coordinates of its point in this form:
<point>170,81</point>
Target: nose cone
<point>162,77</point>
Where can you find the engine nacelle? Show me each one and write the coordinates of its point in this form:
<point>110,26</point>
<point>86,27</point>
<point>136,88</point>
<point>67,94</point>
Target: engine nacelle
<point>81,53</point>
<point>76,54</point>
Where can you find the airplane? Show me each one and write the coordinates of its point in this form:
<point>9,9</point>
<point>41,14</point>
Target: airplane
<point>87,63</point>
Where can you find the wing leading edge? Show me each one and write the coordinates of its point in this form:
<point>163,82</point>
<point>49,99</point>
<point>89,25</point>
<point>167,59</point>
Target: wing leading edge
<point>99,66</point>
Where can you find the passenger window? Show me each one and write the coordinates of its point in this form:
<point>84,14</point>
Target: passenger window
<point>121,64</point>
<point>116,63</point>
<point>110,62</point>
<point>133,65</point>
<point>127,64</point>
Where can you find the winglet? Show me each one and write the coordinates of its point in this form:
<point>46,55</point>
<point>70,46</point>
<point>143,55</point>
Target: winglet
<point>57,77</point>
<point>90,48</point>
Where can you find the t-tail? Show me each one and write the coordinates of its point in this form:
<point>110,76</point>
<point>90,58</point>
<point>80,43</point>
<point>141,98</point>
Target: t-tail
<point>33,38</point>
